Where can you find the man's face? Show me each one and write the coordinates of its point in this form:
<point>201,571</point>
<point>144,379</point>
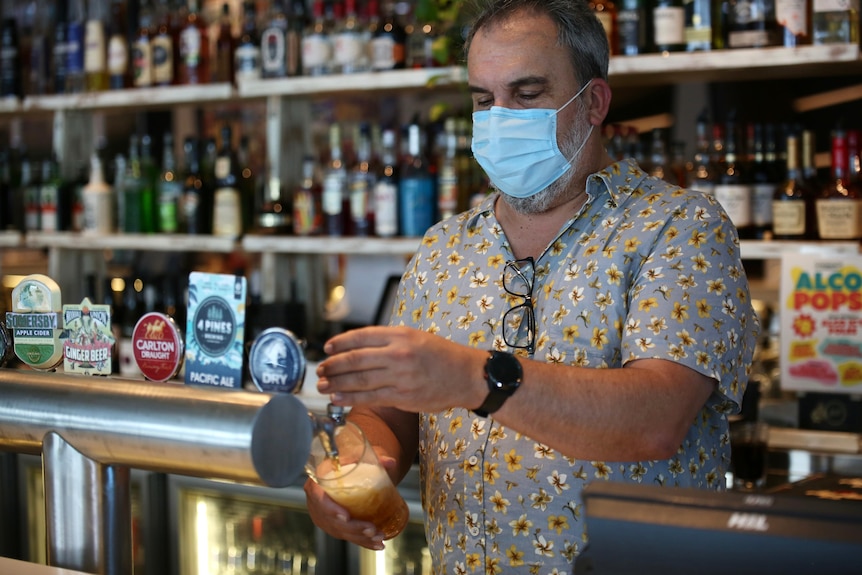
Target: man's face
<point>517,64</point>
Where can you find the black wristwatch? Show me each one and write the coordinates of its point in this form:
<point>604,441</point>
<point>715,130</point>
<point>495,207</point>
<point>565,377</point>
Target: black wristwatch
<point>503,374</point>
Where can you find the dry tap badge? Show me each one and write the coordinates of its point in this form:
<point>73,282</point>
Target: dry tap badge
<point>35,322</point>
<point>277,361</point>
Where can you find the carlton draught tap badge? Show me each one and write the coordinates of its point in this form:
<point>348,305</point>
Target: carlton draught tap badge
<point>88,340</point>
<point>35,322</point>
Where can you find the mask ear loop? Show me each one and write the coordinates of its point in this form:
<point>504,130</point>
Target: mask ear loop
<point>572,99</point>
<point>589,132</point>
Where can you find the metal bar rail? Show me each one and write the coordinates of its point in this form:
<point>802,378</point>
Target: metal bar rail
<point>90,431</point>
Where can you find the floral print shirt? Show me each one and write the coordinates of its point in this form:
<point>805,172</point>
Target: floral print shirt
<point>644,270</point>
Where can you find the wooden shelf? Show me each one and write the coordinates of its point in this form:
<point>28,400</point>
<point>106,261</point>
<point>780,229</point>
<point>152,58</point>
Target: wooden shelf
<point>10,239</point>
<point>134,242</point>
<point>767,250</point>
<point>330,245</point>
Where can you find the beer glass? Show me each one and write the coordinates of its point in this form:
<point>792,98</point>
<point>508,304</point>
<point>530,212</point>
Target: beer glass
<point>356,480</point>
<point>749,449</point>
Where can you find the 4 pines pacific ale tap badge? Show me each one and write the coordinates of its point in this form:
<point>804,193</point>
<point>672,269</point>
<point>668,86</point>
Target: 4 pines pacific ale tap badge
<point>215,330</point>
<point>35,322</point>
<point>87,338</point>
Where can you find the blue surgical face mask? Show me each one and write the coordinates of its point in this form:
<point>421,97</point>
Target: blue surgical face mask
<point>518,148</point>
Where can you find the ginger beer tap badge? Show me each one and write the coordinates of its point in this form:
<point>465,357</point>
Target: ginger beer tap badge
<point>87,338</point>
<point>215,329</point>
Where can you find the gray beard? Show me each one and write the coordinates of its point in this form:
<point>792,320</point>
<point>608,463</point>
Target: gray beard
<point>550,196</point>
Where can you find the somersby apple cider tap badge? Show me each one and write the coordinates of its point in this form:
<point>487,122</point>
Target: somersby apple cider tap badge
<point>35,322</point>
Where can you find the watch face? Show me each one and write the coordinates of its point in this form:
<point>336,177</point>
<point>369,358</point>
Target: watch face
<point>505,371</point>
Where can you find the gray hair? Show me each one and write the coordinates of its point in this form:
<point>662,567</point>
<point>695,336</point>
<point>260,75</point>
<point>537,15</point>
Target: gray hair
<point>578,29</point>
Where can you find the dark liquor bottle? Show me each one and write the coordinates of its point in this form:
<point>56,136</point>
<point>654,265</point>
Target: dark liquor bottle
<point>732,188</point>
<point>839,203</point>
<point>248,183</point>
<point>606,12</point>
<point>162,45</point>
<point>765,179</point>
<point>38,66</point>
<point>426,31</point>
<point>698,24</point>
<point>273,215</point>
<point>96,46</point>
<point>632,27</point>
<point>227,204</point>
<point>147,197</point>
<point>447,172</point>
<point>386,188</point>
<point>792,205</point>
<point>668,19</point>
<point>809,169</point>
<point>335,194</point>
<point>361,186</point>
<point>247,54</point>
<point>273,43</point>
<point>417,195</point>
<point>10,55</point>
<point>193,208</point>
<point>170,189</point>
<point>60,50</point>
<point>297,23</point>
<point>752,24</point>
<point>75,48</point>
<point>142,50</point>
<point>130,201</point>
<point>223,63</point>
<point>118,48</point>
<point>49,196</point>
<point>704,172</point>
<point>194,60</point>
<point>388,45</point>
<point>307,201</point>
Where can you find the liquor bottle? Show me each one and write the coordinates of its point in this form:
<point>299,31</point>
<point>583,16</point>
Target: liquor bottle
<point>732,188</point>
<point>227,205</point>
<point>193,203</point>
<point>631,27</point>
<point>194,60</point>
<point>668,20</point>
<point>273,43</point>
<point>839,203</point>
<point>296,25</point>
<point>417,195</point>
<point>147,196</point>
<point>247,183</point>
<point>835,22</point>
<point>388,45</point>
<point>854,161</point>
<point>765,179</point>
<point>60,49</point>
<point>448,192</point>
<point>335,195</point>
<point>49,196</point>
<point>96,46</point>
<point>75,48</point>
<point>426,31</point>
<point>317,44</point>
<point>703,175</point>
<point>272,216</point>
<point>170,189</point>
<point>162,46</point>
<point>142,50</point>
<point>208,157</point>
<point>658,159</point>
<point>719,23</point>
<point>752,24</point>
<point>349,53</point>
<point>606,12</point>
<point>386,188</point>
<point>792,205</point>
<point>794,21</point>
<point>225,46</point>
<point>361,186</point>
<point>307,202</point>
<point>38,67</point>
<point>698,24</point>
<point>809,169</point>
<point>129,193</point>
<point>118,48</point>
<point>10,55</point>
<point>247,54</point>
<point>30,191</point>
<point>97,197</point>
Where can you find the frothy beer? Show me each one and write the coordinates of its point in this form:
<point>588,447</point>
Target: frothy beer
<point>366,491</point>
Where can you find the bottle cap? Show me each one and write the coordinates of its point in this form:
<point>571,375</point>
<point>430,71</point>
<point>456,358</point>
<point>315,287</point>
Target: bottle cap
<point>277,361</point>
<point>158,346</point>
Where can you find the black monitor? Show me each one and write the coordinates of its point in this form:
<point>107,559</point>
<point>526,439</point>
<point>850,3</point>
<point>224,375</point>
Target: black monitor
<point>647,529</point>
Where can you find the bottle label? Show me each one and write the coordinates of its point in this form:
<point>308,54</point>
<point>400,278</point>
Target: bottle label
<point>761,204</point>
<point>416,205</point>
<point>669,22</point>
<point>316,52</point>
<point>163,60</point>
<point>142,63</point>
<point>247,62</point>
<point>304,213</point>
<point>227,213</point>
<point>447,190</point>
<point>48,208</point>
<point>788,218</point>
<point>793,15</point>
<point>736,201</point>
<point>190,47</point>
<point>333,194</point>
<point>95,47</point>
<point>382,53</point>
<point>75,49</point>
<point>168,198</point>
<point>360,197</point>
<point>272,52</point>
<point>629,27</point>
<point>118,56</point>
<point>98,210</point>
<point>348,49</point>
<point>839,219</point>
<point>835,5</point>
<point>385,208</point>
<point>31,208</point>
